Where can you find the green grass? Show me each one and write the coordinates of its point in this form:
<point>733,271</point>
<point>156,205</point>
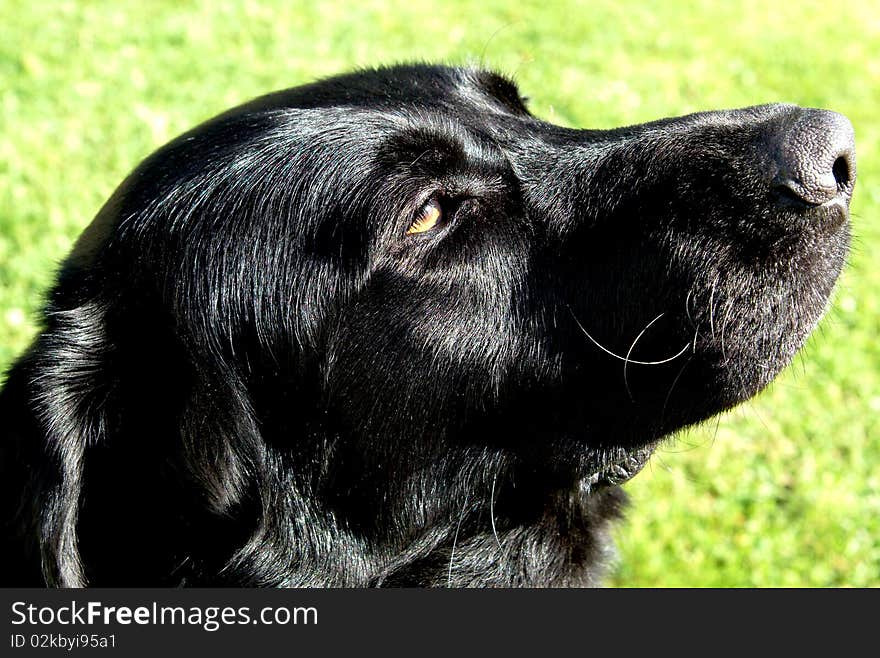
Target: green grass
<point>785,490</point>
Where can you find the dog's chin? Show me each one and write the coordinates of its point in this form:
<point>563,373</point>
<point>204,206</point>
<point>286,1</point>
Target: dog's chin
<point>758,324</point>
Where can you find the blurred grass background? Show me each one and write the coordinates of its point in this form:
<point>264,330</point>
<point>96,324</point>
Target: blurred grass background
<point>785,491</point>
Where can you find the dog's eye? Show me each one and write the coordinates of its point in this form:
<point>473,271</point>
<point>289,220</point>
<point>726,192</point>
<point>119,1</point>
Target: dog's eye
<point>430,216</point>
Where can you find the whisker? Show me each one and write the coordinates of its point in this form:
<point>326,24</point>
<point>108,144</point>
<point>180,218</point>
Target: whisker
<point>687,310</point>
<point>750,404</point>
<point>631,348</point>
<point>712,306</point>
<point>623,358</point>
<point>715,433</point>
<point>672,388</point>
<point>492,512</point>
<point>687,306</point>
<point>454,543</point>
<point>724,323</point>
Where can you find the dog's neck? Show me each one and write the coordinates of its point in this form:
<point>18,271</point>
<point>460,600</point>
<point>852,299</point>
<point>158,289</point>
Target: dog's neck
<point>480,522</point>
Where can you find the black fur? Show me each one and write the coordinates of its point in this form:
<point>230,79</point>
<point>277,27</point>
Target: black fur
<point>250,374</point>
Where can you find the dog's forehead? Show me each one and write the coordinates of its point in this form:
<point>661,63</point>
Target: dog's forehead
<point>462,104</point>
<point>492,86</point>
<point>417,86</point>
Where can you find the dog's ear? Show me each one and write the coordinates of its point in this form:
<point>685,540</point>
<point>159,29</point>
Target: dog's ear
<point>66,390</point>
<point>122,453</point>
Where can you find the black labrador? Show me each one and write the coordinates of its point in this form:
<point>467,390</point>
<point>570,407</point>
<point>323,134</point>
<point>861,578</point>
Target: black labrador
<point>391,329</point>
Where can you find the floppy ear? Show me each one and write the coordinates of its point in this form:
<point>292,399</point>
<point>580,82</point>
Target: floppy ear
<point>118,458</point>
<point>66,389</point>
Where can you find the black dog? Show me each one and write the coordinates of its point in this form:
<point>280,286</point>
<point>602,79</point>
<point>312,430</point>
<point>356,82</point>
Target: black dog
<point>391,329</point>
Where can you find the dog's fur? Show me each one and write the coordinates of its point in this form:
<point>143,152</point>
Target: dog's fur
<point>251,373</point>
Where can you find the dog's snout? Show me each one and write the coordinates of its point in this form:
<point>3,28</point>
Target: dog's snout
<point>815,157</point>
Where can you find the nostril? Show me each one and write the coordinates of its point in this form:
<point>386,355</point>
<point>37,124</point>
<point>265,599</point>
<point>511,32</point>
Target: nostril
<point>815,156</point>
<point>840,169</point>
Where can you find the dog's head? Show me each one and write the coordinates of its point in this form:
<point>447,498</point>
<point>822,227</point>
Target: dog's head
<point>449,266</point>
<point>401,263</point>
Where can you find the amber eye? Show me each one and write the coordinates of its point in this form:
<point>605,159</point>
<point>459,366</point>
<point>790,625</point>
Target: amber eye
<point>429,217</point>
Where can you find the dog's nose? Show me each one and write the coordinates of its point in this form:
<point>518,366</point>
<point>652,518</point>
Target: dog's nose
<point>816,157</point>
